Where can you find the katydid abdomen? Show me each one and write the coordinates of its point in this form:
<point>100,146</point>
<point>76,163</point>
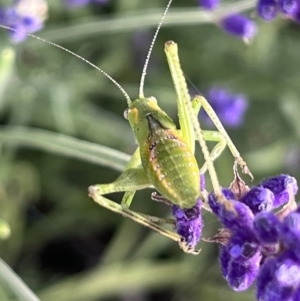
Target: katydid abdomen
<point>170,165</point>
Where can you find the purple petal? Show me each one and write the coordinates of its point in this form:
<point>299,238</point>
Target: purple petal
<point>259,199</point>
<point>215,204</point>
<point>288,273</point>
<point>267,9</point>
<point>264,277</point>
<point>224,260</point>
<point>242,217</point>
<point>242,245</point>
<point>189,223</point>
<point>239,26</point>
<point>241,275</point>
<point>32,24</point>
<point>290,233</point>
<point>267,227</point>
<point>19,34</point>
<point>283,186</point>
<point>289,7</point>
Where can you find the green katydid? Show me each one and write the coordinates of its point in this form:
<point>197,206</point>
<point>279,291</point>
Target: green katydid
<point>165,157</point>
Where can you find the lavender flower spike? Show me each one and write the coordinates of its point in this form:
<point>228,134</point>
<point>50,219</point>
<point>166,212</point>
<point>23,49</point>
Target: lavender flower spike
<point>259,199</point>
<point>259,243</point>
<point>239,26</point>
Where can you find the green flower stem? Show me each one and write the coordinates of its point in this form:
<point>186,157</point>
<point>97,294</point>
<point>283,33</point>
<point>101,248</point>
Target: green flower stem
<point>63,145</point>
<point>15,283</point>
<point>140,20</point>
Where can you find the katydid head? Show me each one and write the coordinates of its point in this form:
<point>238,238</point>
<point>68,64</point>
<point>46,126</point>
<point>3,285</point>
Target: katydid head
<point>145,116</point>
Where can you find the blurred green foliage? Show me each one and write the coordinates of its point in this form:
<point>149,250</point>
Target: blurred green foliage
<point>62,244</point>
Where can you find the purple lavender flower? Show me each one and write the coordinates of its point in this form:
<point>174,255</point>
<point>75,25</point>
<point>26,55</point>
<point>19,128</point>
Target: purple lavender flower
<point>241,216</point>
<point>228,106</point>
<point>189,223</point>
<point>258,244</point>
<point>239,26</point>
<point>289,7</point>
<point>290,233</point>
<point>209,4</point>
<point>259,199</point>
<point>241,275</point>
<point>225,258</point>
<point>283,187</point>
<point>266,227</point>
<point>215,205</point>
<point>279,278</point>
<point>267,9</point>
<point>242,245</point>
<point>25,16</point>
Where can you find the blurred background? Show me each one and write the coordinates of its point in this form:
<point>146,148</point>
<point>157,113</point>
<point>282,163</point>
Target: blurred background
<point>63,245</point>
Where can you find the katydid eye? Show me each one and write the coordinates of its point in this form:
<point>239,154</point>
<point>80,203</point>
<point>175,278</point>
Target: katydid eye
<point>125,114</point>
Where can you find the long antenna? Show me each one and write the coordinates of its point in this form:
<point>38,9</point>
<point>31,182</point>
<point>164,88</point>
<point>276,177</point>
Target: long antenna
<point>81,58</point>
<point>144,72</point>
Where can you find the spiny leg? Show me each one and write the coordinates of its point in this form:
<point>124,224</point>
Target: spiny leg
<point>218,124</point>
<point>218,136</point>
<point>210,136</point>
